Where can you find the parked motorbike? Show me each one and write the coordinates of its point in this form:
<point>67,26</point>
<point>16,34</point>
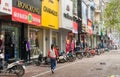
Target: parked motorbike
<point>66,57</point>
<point>92,51</point>
<point>70,57</point>
<point>79,53</point>
<point>13,67</point>
<point>86,52</point>
<point>42,60</point>
<point>98,51</point>
<point>62,57</point>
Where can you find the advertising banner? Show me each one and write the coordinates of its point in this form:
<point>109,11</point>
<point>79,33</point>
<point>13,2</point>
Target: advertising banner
<point>66,17</point>
<point>50,14</point>
<point>84,13</point>
<point>25,17</point>
<point>6,6</point>
<point>33,6</point>
<point>75,27</point>
<point>89,30</point>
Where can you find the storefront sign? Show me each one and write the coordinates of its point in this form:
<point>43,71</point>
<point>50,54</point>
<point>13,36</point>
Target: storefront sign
<point>25,17</point>
<point>84,13</point>
<point>50,14</point>
<point>6,6</point>
<point>89,30</point>
<point>66,15</point>
<point>33,6</point>
<point>28,7</point>
<point>75,27</point>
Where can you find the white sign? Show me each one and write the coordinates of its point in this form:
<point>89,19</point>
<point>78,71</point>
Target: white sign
<point>6,6</point>
<point>66,14</point>
<point>84,13</point>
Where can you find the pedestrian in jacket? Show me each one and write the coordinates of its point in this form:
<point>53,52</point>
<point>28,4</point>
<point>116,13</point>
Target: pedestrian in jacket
<point>52,54</point>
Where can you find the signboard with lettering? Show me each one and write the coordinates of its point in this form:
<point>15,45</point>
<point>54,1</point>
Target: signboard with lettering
<point>25,17</point>
<point>89,30</point>
<point>27,11</point>
<point>75,27</point>
<point>50,14</point>
<point>33,6</point>
<point>6,6</point>
<point>84,14</point>
<point>66,14</point>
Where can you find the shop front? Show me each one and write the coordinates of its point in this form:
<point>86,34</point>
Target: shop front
<point>28,14</point>
<point>9,34</point>
<point>9,31</point>
<point>89,31</point>
<point>49,19</point>
<point>35,36</point>
<point>65,22</point>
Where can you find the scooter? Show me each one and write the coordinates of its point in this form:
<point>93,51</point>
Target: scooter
<point>98,51</point>
<point>79,53</point>
<point>92,51</point>
<point>12,67</point>
<point>42,60</point>
<point>62,57</point>
<point>70,57</point>
<point>66,57</point>
<point>86,52</point>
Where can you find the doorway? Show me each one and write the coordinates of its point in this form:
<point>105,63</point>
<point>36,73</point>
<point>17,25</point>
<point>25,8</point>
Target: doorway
<point>11,40</point>
<point>9,44</point>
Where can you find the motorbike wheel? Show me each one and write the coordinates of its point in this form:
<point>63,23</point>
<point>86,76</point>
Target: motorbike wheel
<point>19,70</point>
<point>88,55</point>
<point>98,53</point>
<point>79,56</point>
<point>62,61</point>
<point>37,63</point>
<point>71,59</point>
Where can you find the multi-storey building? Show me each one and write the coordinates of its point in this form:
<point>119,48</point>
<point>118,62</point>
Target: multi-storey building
<point>99,20</point>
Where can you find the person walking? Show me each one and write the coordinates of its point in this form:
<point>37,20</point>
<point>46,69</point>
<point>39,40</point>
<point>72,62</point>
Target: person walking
<point>52,54</point>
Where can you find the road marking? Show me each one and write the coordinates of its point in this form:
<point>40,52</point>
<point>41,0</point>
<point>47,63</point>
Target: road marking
<point>115,76</point>
<point>112,76</point>
<point>55,69</point>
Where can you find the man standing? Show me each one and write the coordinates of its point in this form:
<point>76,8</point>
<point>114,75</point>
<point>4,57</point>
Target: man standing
<point>28,50</point>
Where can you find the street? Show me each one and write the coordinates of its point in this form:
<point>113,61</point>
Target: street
<point>104,65</point>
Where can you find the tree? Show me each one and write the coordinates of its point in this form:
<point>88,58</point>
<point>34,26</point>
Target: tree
<point>112,15</point>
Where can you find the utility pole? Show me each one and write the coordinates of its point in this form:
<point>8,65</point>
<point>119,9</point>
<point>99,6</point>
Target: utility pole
<point>79,12</point>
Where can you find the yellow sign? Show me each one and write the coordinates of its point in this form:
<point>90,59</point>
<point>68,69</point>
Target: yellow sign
<point>50,14</point>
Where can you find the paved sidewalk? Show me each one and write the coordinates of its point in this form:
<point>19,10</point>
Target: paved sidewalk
<point>103,62</point>
<point>32,70</point>
<point>8,75</point>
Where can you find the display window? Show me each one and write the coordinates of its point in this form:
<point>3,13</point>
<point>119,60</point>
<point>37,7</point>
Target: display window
<point>36,41</point>
<point>54,37</point>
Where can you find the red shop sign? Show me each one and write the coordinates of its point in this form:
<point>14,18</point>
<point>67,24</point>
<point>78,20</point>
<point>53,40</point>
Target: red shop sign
<point>25,17</point>
<point>89,26</point>
<point>89,22</point>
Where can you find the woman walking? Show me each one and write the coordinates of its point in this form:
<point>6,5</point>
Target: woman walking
<point>52,54</point>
